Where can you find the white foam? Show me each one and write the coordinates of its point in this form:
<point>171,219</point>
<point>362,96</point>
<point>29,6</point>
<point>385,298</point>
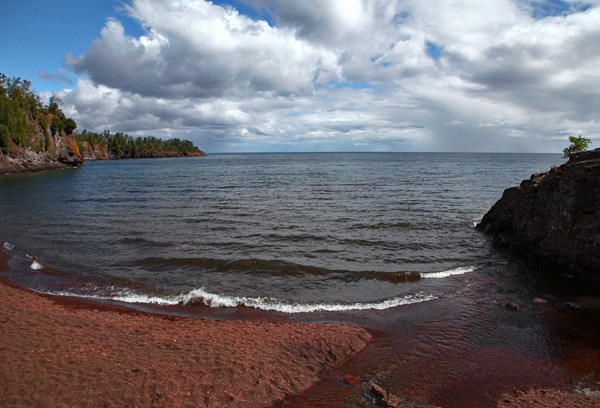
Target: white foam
<point>125,297</point>
<point>277,305</point>
<point>445,274</point>
<point>8,246</point>
<point>35,265</point>
<point>262,303</point>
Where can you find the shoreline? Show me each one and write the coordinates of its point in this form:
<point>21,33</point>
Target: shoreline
<point>10,166</point>
<point>77,353</point>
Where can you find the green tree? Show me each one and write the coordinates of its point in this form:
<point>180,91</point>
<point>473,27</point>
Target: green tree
<point>4,139</point>
<point>578,143</point>
<point>54,104</point>
<point>69,125</point>
<point>57,125</point>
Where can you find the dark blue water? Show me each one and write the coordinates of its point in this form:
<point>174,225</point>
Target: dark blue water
<point>285,232</point>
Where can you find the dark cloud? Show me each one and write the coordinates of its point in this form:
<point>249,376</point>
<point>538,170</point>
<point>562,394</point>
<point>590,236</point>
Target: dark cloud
<point>55,78</point>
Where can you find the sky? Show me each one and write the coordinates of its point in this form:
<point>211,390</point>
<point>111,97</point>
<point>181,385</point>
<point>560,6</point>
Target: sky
<point>317,75</point>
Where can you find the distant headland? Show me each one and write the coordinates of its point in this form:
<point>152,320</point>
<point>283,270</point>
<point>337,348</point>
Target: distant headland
<point>35,136</point>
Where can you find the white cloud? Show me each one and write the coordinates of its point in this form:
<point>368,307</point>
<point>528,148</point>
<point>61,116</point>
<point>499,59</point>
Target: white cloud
<point>345,74</point>
<point>196,49</point>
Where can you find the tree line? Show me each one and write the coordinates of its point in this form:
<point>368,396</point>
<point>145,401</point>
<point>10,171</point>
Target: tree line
<point>123,145</point>
<point>18,101</point>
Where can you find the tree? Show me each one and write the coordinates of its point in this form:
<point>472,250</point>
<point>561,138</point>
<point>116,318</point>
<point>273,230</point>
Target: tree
<point>69,125</point>
<point>578,143</point>
<point>4,139</point>
<point>54,104</point>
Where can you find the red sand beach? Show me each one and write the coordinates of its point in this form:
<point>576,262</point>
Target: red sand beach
<point>64,352</point>
<point>60,354</point>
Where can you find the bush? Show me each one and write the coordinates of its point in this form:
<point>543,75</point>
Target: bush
<point>578,143</point>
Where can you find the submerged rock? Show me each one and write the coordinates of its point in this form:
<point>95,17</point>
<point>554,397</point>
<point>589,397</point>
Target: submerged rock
<point>390,400</point>
<point>512,306</point>
<point>553,216</point>
<point>351,380</point>
<point>572,305</point>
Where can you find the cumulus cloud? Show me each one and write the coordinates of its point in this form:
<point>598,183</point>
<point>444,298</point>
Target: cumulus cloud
<point>196,49</point>
<point>500,75</point>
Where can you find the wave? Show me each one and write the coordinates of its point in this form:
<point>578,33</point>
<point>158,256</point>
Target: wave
<point>275,268</point>
<point>36,266</point>
<point>8,246</point>
<point>474,222</point>
<point>445,274</point>
<point>284,268</point>
<point>277,305</point>
<point>202,297</point>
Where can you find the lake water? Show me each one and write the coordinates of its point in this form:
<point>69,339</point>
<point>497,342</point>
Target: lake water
<point>384,240</point>
<point>285,232</point>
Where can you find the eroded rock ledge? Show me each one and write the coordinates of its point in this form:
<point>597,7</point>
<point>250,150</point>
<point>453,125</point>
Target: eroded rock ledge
<point>553,217</point>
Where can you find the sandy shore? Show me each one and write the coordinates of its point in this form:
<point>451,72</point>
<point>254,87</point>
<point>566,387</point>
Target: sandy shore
<point>549,398</point>
<point>64,352</point>
<point>67,354</point>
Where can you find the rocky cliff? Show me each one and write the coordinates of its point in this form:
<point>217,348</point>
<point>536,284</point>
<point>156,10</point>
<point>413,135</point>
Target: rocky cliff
<point>101,152</point>
<point>553,217</point>
<point>37,136</point>
<point>59,150</point>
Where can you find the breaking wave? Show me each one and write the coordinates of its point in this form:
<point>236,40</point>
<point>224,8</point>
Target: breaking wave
<point>202,297</point>
<point>445,274</point>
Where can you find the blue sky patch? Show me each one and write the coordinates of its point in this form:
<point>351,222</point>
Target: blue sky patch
<point>401,17</point>
<point>550,8</point>
<point>434,50</point>
<point>356,85</point>
<point>252,12</point>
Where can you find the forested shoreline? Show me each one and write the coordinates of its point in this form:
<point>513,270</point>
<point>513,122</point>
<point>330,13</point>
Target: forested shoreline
<point>37,136</point>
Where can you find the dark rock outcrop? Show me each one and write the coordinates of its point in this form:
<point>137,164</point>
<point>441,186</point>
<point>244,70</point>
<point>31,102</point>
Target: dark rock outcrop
<point>554,217</point>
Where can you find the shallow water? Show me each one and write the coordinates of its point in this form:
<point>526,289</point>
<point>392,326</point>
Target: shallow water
<point>381,240</point>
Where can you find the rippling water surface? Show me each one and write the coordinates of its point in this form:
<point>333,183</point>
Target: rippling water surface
<point>381,240</point>
<point>285,232</point>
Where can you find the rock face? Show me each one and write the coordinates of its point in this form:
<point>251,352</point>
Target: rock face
<point>97,152</point>
<point>554,216</point>
<point>61,151</point>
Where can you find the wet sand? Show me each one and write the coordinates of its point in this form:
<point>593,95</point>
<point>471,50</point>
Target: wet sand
<point>66,353</point>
